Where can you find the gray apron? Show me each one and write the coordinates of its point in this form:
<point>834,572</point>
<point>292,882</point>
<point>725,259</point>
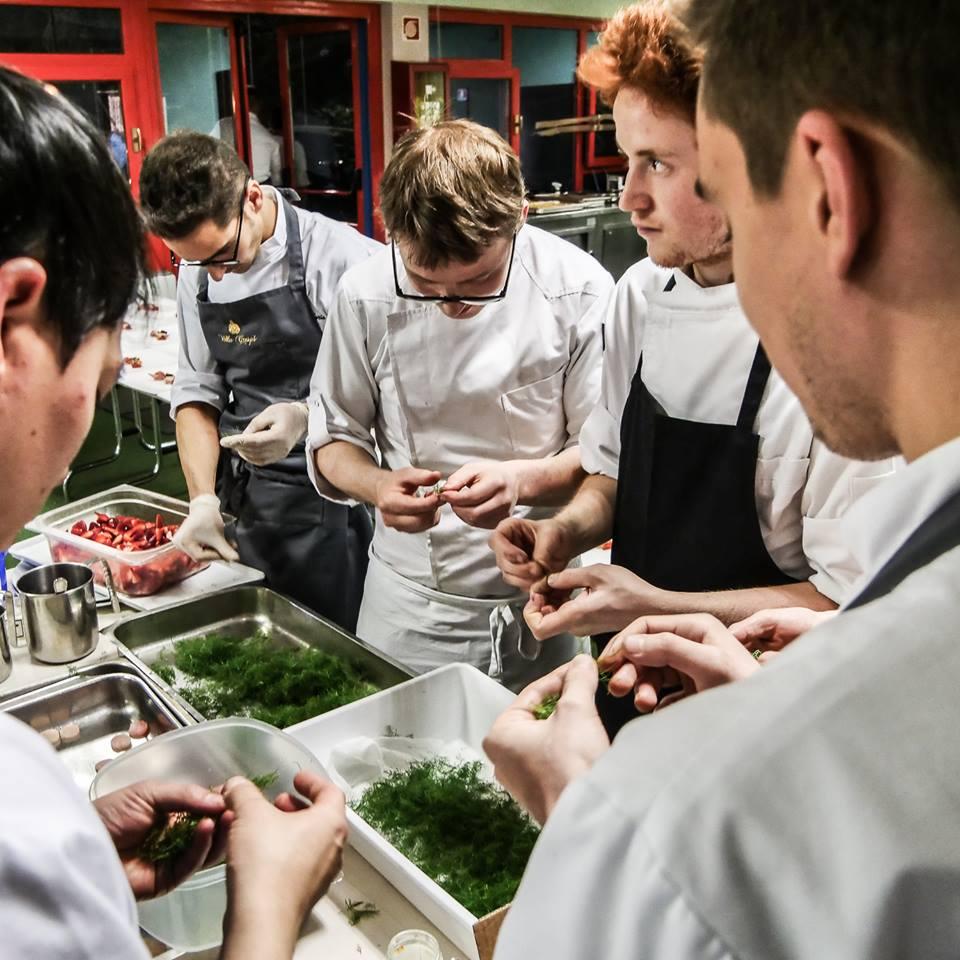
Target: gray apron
<point>266,346</point>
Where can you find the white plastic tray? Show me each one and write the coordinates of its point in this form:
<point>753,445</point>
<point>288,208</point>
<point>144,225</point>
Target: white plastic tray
<point>218,576</point>
<point>455,702</point>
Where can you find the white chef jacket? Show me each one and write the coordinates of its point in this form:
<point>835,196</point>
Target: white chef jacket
<point>698,348</point>
<point>267,158</point>
<point>516,381</point>
<point>329,248</point>
<point>63,893</point>
<point>808,812</point>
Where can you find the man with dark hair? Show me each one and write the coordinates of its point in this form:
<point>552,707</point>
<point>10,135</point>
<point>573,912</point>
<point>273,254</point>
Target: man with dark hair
<point>702,464</point>
<point>808,811</point>
<point>462,354</point>
<point>71,250</point>
<point>257,278</point>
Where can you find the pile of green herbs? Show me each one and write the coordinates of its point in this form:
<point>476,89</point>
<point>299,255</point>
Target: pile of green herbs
<point>227,676</point>
<point>458,827</point>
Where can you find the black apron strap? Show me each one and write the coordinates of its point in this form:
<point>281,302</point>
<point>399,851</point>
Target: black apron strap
<point>297,276</point>
<point>939,533</point>
<point>671,283</point>
<point>204,285</point>
<point>756,384</point>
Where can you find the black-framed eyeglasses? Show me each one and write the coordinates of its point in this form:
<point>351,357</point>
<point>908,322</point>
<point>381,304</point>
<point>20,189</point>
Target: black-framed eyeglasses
<point>232,260</point>
<point>469,301</point>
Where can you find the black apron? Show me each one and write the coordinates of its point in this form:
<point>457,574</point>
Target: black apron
<point>266,346</point>
<point>686,509</point>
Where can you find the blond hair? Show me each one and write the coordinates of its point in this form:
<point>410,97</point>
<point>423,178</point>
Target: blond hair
<point>450,190</point>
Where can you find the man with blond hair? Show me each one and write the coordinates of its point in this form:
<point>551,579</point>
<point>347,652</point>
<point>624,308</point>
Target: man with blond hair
<point>463,353</point>
<point>702,464</point>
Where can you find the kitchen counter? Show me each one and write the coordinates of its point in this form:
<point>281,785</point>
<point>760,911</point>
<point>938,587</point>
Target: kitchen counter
<point>327,935</point>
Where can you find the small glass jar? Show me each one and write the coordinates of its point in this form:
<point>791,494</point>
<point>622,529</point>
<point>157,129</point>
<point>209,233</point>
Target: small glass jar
<point>414,945</point>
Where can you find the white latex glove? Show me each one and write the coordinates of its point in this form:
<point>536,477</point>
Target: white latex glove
<point>271,434</point>
<point>201,534</point>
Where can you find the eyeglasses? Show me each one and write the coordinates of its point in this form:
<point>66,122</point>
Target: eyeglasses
<point>469,301</point>
<point>232,261</point>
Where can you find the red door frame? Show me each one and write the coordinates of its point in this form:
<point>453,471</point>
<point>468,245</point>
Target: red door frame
<point>368,12</point>
<point>490,70</point>
<point>283,59</point>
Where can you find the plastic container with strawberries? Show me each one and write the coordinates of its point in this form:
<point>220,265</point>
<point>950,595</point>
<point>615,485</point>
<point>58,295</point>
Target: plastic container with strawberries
<point>130,528</point>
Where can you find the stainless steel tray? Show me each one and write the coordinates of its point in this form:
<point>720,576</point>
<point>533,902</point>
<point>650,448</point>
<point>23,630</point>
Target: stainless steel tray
<point>243,612</point>
<point>102,701</point>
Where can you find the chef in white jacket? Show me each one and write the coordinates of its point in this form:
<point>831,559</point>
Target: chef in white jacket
<point>703,466</point>
<point>256,281</point>
<point>465,354</point>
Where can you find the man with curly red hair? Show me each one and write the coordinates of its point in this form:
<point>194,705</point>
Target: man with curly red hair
<point>701,462</point>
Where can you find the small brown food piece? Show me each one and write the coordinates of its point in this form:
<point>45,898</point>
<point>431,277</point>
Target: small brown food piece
<point>120,743</point>
<point>69,732</point>
<point>100,764</point>
<point>139,729</point>
<point>52,737</point>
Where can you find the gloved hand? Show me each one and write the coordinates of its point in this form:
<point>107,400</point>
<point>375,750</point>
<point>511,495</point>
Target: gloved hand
<point>271,434</point>
<point>201,534</point>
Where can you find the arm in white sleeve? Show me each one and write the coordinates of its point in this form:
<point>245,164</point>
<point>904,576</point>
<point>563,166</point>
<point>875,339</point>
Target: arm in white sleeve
<point>834,484</point>
<point>595,888</point>
<point>344,396</point>
<point>581,382</point>
<point>198,379</point>
<point>621,320</point>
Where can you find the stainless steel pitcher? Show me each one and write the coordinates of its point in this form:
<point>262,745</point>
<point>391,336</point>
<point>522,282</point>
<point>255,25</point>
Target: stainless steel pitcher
<point>57,613</point>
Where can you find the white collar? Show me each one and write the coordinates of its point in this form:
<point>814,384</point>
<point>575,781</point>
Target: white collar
<point>276,246</point>
<point>880,522</point>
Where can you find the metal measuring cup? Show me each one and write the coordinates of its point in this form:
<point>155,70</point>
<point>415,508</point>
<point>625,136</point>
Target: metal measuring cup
<point>55,611</point>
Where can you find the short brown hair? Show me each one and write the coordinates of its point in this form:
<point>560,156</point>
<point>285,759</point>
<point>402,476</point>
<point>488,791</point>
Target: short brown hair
<point>645,47</point>
<point>187,179</point>
<point>892,64</point>
<point>450,190</point>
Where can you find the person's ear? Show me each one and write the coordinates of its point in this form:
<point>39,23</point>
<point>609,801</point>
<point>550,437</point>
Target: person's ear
<point>525,213</point>
<point>255,195</point>
<point>22,283</point>
<point>838,200</point>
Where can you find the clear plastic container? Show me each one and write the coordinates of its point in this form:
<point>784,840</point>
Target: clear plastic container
<point>137,573</point>
<point>191,917</point>
<point>414,945</point>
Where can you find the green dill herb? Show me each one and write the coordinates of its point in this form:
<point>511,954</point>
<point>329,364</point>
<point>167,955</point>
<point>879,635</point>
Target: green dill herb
<point>356,910</point>
<point>457,826</point>
<point>224,676</point>
<point>546,707</point>
<point>171,836</point>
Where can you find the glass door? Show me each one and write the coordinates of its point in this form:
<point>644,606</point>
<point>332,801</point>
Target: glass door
<point>488,94</point>
<point>325,117</point>
<point>82,50</point>
<point>199,84</point>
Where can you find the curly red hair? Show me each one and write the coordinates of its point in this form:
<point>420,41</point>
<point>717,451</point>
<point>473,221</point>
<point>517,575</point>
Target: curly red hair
<point>645,47</point>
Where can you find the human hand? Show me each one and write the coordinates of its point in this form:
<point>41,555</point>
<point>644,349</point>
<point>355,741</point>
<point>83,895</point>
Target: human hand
<point>201,535</point>
<point>398,503</point>
<point>282,857</point>
<point>771,630</point>
<point>694,651</point>
<point>271,434</point>
<point>610,598</point>
<point>131,813</point>
<point>527,550</point>
<point>536,759</point>
<point>482,493</point>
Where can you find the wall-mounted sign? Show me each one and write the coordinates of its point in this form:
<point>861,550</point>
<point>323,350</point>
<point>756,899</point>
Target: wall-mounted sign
<point>411,28</point>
